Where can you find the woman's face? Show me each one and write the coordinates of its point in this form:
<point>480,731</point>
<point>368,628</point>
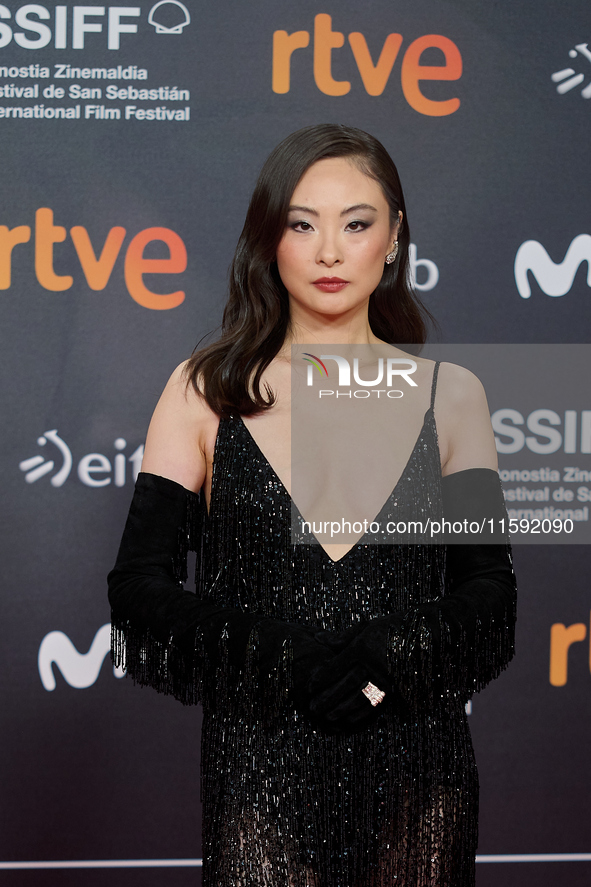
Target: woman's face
<point>338,233</point>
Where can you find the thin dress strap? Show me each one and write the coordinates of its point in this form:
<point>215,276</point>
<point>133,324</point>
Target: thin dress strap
<point>434,383</point>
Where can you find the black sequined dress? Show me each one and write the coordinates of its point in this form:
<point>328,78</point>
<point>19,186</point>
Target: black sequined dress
<point>286,805</point>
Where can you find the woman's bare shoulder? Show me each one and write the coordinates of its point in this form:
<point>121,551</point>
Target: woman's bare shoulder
<point>459,388</point>
<point>182,433</point>
<point>463,420</point>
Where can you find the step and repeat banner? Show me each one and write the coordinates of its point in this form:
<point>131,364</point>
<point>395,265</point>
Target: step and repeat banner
<point>131,138</point>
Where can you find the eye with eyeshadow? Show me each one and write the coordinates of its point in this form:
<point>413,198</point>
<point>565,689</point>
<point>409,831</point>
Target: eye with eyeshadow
<point>300,226</point>
<point>358,225</point>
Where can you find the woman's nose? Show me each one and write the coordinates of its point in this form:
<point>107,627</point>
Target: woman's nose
<point>329,250</point>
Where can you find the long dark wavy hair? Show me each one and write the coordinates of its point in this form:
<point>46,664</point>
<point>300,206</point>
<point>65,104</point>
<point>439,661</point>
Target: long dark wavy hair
<point>256,318</point>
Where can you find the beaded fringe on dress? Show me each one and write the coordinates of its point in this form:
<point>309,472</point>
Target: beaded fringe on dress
<point>286,805</point>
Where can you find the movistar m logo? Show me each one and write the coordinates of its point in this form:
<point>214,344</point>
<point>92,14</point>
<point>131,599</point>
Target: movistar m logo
<point>80,670</point>
<point>554,278</point>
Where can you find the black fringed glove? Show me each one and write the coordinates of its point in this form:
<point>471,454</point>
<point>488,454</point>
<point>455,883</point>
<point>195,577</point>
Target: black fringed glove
<point>452,645</point>
<point>159,627</point>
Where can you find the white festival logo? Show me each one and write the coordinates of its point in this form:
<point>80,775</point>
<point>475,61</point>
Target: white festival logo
<point>165,29</point>
<point>554,278</point>
<point>568,78</point>
<point>80,670</point>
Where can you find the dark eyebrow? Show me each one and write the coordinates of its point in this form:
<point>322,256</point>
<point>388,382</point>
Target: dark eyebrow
<point>358,206</point>
<point>345,212</point>
<point>302,209</point>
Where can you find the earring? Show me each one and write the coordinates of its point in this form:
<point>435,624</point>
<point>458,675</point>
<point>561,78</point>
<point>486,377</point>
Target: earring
<point>391,257</point>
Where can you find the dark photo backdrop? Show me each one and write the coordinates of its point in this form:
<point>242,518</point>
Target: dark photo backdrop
<point>131,138</point>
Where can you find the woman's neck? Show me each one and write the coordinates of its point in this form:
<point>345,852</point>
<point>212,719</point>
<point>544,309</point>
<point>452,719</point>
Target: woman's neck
<point>332,331</point>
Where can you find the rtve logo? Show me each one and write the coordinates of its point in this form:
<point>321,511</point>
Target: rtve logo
<point>76,22</point>
<point>374,75</point>
<point>97,269</point>
<point>562,637</point>
<point>554,278</point>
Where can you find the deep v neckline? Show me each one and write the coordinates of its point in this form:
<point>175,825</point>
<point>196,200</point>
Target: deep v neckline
<point>284,491</point>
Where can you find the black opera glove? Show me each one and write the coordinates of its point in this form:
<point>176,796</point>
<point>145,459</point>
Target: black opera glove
<point>456,645</point>
<point>168,637</point>
<point>453,645</point>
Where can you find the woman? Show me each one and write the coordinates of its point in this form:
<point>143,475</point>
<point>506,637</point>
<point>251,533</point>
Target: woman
<point>336,750</point>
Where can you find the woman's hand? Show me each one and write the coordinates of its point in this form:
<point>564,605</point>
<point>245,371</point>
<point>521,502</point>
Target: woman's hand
<point>337,702</point>
<point>451,646</point>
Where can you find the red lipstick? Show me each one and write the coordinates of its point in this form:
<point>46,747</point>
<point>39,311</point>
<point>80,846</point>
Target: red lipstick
<point>330,284</point>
